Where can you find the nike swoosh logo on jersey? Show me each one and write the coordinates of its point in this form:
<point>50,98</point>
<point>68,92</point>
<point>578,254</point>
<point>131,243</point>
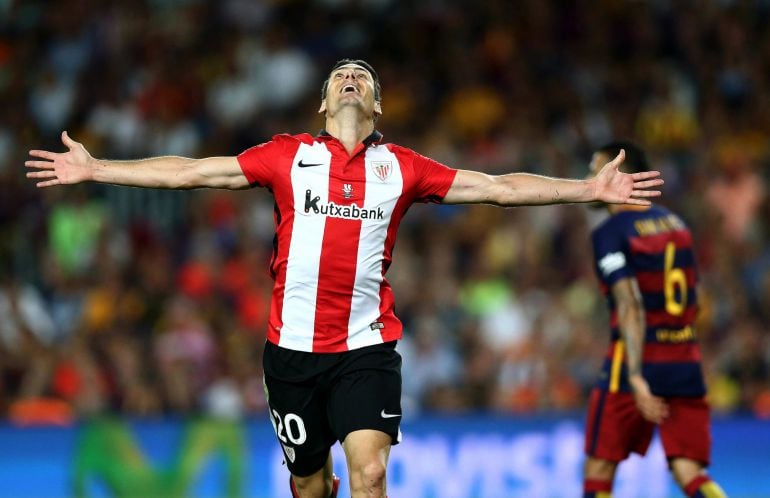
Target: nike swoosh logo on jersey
<point>389,415</point>
<point>307,165</point>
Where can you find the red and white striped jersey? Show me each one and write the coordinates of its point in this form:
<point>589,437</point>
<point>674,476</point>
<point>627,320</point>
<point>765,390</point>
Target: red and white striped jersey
<point>336,219</point>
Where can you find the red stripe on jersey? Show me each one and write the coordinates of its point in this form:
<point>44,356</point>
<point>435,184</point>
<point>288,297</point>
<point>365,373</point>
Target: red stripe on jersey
<point>655,352</point>
<point>283,216</point>
<point>392,325</point>
<point>656,244</point>
<point>662,318</point>
<point>339,254</point>
<point>652,281</point>
<point>276,305</point>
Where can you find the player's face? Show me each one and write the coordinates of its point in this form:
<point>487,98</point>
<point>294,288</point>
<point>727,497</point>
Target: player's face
<point>350,85</point>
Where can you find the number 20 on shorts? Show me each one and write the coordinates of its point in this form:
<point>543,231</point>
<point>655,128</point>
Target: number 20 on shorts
<point>289,429</point>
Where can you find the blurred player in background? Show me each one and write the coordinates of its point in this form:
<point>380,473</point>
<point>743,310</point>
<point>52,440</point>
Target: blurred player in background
<point>652,375</point>
<point>331,369</point>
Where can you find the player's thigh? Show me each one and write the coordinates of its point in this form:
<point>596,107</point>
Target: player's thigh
<point>368,397</point>
<point>614,427</point>
<point>686,432</point>
<point>298,414</point>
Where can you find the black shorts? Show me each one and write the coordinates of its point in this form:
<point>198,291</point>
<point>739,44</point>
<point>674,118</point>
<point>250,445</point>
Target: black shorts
<point>317,399</point>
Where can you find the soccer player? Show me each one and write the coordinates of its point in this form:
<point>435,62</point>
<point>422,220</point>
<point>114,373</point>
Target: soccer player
<point>331,370</point>
<point>652,373</point>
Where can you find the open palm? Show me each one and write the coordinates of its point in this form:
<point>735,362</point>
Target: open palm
<point>615,187</point>
<point>54,168</point>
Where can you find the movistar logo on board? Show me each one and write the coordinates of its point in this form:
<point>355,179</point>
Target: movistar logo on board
<point>349,212</point>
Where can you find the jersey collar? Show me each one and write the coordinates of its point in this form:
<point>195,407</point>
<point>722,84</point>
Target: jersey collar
<point>373,139</point>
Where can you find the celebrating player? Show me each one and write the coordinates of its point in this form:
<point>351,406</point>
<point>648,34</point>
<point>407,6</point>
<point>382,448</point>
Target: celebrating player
<point>652,373</point>
<point>331,369</point>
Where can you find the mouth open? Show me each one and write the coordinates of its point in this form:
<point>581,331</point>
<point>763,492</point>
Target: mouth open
<point>349,89</point>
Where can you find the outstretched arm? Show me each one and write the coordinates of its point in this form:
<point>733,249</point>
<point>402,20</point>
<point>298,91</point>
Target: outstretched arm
<point>76,165</point>
<point>520,189</point>
<point>631,322</point>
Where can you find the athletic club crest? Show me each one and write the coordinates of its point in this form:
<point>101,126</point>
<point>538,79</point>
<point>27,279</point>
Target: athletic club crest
<point>290,453</point>
<point>347,191</point>
<point>382,169</point>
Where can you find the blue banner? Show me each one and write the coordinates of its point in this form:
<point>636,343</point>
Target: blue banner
<point>452,457</point>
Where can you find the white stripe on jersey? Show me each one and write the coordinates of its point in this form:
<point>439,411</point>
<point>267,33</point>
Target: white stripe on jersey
<point>382,194</point>
<point>299,301</point>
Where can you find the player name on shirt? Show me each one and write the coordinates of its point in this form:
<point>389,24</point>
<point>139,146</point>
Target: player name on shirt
<point>653,226</point>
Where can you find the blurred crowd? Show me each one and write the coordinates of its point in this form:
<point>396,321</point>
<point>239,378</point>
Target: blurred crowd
<point>149,302</point>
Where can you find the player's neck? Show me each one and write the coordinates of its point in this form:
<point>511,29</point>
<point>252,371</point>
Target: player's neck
<point>350,127</point>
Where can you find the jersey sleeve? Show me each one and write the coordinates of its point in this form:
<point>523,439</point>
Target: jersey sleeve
<point>432,179</point>
<point>611,255</point>
<point>259,163</point>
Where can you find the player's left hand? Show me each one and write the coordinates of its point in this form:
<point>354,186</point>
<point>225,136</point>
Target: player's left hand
<point>615,187</point>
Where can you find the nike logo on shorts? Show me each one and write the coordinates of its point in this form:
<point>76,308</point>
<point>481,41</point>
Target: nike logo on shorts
<point>389,415</point>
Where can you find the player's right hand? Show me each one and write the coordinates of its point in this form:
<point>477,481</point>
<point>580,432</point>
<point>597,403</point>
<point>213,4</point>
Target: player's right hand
<point>73,166</point>
<point>653,408</point>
